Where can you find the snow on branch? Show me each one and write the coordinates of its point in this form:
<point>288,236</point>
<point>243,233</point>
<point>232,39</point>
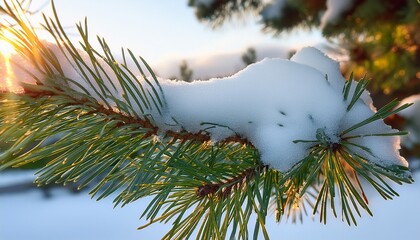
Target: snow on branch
<point>274,104</point>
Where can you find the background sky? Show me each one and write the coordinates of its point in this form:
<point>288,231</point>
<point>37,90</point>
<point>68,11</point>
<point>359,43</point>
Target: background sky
<point>166,32</point>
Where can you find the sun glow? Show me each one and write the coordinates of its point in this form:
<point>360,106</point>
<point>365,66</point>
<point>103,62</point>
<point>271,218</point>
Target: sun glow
<point>6,49</point>
<point>7,75</point>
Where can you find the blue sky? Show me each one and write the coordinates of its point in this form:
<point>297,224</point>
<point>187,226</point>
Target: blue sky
<point>167,31</point>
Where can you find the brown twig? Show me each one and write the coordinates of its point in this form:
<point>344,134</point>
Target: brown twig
<point>127,119</point>
<point>222,189</point>
<point>124,119</point>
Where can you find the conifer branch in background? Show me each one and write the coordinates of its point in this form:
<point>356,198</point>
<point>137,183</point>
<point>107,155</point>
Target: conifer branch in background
<point>100,130</point>
<point>185,72</point>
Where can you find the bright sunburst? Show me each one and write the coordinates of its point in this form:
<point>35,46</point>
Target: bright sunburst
<point>6,71</point>
<point>6,49</point>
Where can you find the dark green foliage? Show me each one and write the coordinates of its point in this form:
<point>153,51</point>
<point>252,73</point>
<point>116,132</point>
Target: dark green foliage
<point>249,57</point>
<point>186,72</point>
<point>220,10</point>
<point>381,37</point>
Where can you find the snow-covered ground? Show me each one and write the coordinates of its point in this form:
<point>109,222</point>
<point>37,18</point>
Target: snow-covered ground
<point>28,215</point>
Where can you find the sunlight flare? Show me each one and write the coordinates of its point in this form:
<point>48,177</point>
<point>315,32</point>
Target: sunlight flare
<point>7,75</point>
<point>6,49</point>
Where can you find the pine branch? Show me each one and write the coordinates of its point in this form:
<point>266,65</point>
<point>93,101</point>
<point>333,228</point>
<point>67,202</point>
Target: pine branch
<point>98,127</point>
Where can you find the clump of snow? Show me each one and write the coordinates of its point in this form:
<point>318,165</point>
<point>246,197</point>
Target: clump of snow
<point>272,10</point>
<point>330,68</point>
<point>274,102</point>
<point>382,150</point>
<point>271,103</point>
<point>412,117</point>
<point>334,10</point>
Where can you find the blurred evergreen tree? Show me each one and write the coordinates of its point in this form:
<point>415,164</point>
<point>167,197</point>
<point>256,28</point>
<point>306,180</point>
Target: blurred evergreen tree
<point>381,37</point>
<point>250,56</point>
<point>185,72</point>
